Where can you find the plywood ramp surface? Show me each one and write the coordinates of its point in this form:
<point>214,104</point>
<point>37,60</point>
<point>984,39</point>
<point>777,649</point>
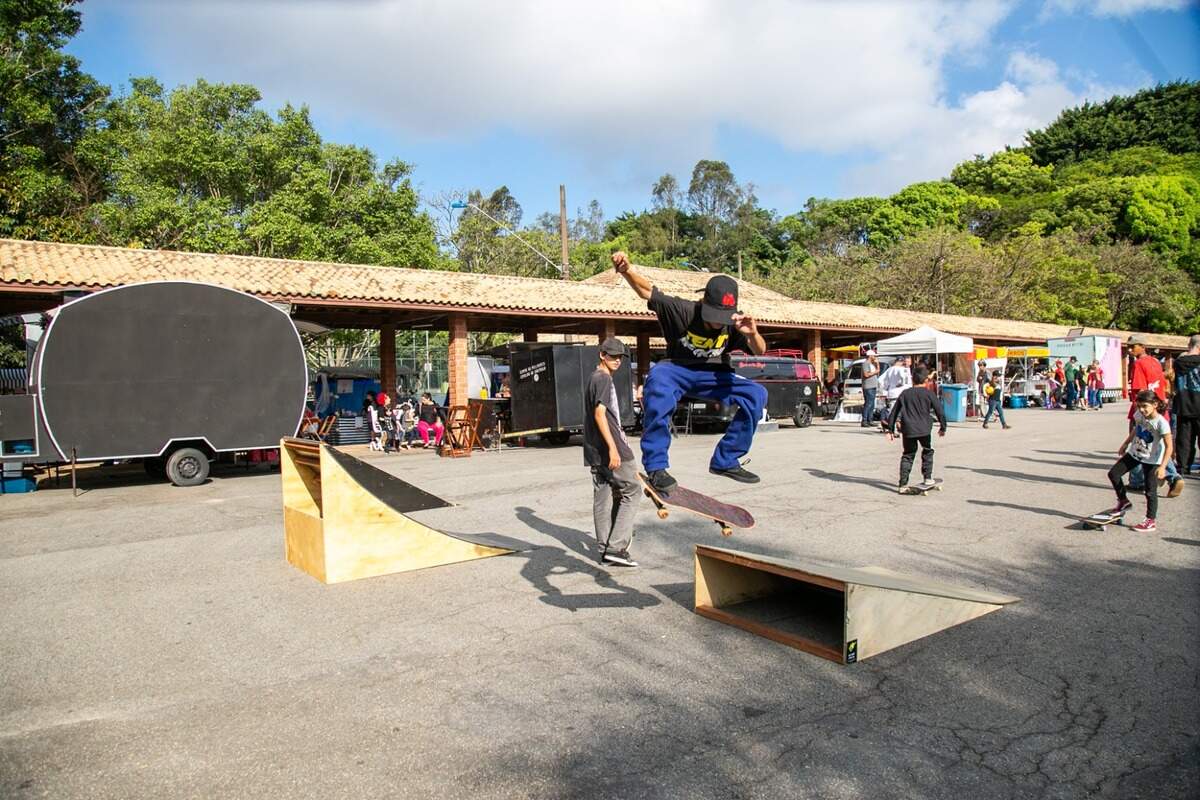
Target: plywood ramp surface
<point>345,519</point>
<point>844,614</point>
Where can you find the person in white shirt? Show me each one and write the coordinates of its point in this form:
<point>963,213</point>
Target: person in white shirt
<point>894,381</point>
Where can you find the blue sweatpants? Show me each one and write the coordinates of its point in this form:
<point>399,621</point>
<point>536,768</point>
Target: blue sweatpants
<point>668,382</point>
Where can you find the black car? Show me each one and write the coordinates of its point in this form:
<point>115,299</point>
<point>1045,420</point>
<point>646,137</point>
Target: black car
<point>793,392</point>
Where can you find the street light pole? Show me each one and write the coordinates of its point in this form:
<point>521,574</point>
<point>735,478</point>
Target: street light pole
<point>464,204</point>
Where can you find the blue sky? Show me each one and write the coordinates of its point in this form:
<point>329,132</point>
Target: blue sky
<point>802,99</point>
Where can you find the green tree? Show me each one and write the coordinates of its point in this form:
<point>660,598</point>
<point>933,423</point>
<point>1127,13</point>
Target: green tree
<point>47,104</point>
<point>203,168</point>
<point>1166,116</point>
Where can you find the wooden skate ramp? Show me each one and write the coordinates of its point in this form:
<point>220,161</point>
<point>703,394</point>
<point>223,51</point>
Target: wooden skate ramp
<point>838,613</point>
<point>344,519</point>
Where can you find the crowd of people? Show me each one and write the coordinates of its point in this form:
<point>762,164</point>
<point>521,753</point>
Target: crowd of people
<point>396,423</point>
<point>1074,387</point>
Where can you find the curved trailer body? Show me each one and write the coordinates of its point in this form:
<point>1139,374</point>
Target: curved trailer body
<point>171,372</point>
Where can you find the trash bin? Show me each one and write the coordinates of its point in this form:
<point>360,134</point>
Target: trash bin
<point>954,401</point>
<point>1017,401</point>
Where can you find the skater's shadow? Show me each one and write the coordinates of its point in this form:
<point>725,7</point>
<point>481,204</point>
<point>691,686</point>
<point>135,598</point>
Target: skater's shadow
<point>1052,462</point>
<point>1025,476</point>
<point>1049,512</point>
<point>840,478</point>
<point>547,563</point>
<point>1189,542</point>
<point>1078,454</point>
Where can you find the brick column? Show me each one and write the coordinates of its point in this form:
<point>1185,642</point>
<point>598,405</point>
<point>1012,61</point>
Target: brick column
<point>643,357</point>
<point>812,349</point>
<point>607,329</point>
<point>457,359</point>
<point>387,358</point>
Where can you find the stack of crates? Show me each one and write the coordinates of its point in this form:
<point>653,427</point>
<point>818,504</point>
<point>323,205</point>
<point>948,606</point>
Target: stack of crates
<point>14,480</point>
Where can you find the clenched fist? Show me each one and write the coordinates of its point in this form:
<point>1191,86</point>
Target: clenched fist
<point>620,262</point>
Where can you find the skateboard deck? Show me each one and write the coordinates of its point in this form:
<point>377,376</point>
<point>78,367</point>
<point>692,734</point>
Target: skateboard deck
<point>725,515</point>
<point>923,488</point>
<point>1101,521</point>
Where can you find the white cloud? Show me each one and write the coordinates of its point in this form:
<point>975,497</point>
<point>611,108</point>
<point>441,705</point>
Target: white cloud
<point>629,84</point>
<point>1115,8</point>
<point>984,122</point>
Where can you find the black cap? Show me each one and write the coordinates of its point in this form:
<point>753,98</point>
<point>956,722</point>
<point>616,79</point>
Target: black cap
<point>612,346</point>
<point>720,300</point>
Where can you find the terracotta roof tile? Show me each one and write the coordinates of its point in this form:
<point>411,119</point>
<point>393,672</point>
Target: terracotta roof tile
<point>25,264</point>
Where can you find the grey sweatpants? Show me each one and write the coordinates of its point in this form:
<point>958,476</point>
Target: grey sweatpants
<point>614,505</point>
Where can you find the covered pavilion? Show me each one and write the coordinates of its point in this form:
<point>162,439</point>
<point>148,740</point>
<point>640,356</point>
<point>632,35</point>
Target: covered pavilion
<point>38,276</point>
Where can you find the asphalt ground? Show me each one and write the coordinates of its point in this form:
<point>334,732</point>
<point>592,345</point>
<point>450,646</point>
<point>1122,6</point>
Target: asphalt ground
<point>155,643</point>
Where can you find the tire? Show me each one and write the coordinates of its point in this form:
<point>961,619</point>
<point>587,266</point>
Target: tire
<point>557,438</point>
<point>155,467</point>
<point>187,466</point>
<point>803,416</point>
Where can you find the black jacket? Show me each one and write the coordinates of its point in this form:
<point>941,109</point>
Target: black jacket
<point>915,411</point>
<point>1187,386</point>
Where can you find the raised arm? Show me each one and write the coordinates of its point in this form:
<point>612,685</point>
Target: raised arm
<point>640,283</point>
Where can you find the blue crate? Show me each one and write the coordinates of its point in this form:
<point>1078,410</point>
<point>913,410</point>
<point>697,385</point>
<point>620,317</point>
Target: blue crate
<point>17,485</point>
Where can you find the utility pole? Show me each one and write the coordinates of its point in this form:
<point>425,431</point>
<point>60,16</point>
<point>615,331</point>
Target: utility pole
<point>562,226</point>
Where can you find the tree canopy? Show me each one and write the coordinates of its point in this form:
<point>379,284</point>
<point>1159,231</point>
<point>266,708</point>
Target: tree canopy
<point>1095,220</point>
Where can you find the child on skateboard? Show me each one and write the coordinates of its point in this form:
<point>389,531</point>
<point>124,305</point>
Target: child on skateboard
<point>615,484</point>
<point>1148,447</point>
<point>913,413</point>
<point>699,334</point>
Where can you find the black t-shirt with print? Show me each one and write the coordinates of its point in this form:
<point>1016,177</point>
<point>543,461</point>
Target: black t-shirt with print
<point>690,342</point>
<point>602,392</point>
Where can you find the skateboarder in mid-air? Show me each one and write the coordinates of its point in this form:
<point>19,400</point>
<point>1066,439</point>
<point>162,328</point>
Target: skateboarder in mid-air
<point>913,412</point>
<point>699,334</point>
<point>615,485</point>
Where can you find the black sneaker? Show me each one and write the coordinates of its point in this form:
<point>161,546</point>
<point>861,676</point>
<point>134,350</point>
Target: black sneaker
<point>737,473</point>
<point>662,481</point>
<point>620,558</point>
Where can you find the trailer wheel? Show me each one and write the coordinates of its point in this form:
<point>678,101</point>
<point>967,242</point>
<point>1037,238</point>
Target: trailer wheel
<point>803,416</point>
<point>187,466</point>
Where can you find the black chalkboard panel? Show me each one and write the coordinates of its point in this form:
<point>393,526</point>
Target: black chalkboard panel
<point>125,371</point>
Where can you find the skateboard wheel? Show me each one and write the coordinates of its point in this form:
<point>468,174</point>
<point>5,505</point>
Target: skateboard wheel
<point>662,513</point>
<point>647,493</point>
<point>726,530</point>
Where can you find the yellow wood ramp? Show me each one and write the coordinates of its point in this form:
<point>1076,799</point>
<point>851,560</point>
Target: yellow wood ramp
<point>344,519</point>
<point>838,613</point>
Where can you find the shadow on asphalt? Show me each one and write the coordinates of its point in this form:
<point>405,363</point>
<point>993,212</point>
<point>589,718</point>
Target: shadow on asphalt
<point>838,477</point>
<point>683,594</point>
<point>543,563</point>
<point>1028,477</point>
<point>1078,464</point>
<point>1190,542</point>
<point>989,702</point>
<point>1079,454</point>
<point>1049,512</point>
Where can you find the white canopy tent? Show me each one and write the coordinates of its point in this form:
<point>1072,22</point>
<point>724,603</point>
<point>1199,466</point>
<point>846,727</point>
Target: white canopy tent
<point>925,340</point>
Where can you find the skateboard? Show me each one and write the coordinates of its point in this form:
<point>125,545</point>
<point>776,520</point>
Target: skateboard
<point>1101,520</point>
<point>725,515</point>
<point>923,488</point>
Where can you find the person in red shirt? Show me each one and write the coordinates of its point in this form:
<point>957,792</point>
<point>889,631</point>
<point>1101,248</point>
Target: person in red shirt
<point>1147,374</point>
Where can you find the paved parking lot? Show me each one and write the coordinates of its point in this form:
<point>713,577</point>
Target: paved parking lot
<point>154,642</point>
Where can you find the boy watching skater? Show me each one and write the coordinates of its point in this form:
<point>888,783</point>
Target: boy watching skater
<point>615,484</point>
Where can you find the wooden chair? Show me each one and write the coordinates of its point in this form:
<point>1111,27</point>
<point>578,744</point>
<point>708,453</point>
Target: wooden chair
<point>462,431</point>
<point>456,440</point>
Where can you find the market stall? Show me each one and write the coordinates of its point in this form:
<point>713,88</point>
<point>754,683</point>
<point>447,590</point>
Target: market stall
<point>953,363</point>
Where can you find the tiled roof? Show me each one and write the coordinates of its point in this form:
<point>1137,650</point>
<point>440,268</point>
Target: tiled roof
<point>772,306</point>
<point>25,265</point>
